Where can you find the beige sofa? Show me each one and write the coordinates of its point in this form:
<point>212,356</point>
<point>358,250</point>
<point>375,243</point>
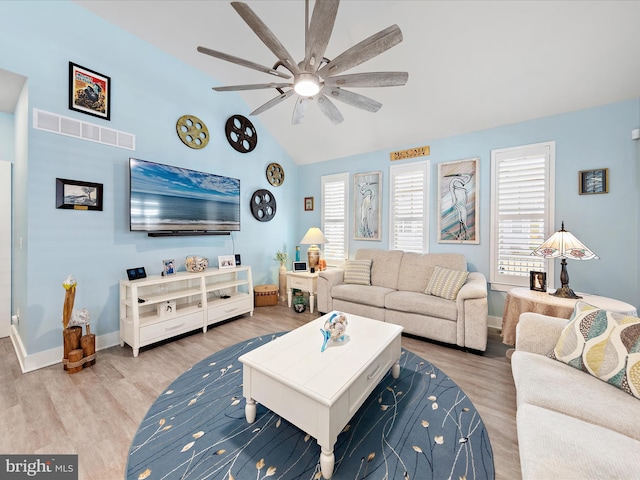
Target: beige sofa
<point>571,425</point>
<point>396,295</point>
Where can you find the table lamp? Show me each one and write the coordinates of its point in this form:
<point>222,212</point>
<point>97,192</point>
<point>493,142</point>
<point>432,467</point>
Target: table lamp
<point>313,237</point>
<point>564,245</point>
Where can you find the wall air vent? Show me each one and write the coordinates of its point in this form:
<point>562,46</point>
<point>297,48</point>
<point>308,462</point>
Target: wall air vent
<point>70,127</point>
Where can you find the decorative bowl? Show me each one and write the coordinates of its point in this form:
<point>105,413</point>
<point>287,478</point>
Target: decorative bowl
<point>196,263</point>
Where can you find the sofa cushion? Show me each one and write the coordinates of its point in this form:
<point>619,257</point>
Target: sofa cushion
<point>604,344</point>
<point>385,266</point>
<point>416,268</point>
<point>365,294</point>
<point>412,302</point>
<point>446,283</point>
<point>553,445</point>
<point>553,385</point>
<point>358,272</point>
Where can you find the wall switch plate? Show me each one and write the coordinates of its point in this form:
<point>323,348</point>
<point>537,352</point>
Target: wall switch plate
<point>635,134</point>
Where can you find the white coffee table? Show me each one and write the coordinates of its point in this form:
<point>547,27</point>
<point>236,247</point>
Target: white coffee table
<point>317,391</point>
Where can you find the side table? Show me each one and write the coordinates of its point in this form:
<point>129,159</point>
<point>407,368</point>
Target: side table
<point>520,300</point>
<point>305,281</point>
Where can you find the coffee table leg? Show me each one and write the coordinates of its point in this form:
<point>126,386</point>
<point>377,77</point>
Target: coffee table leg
<point>395,370</point>
<point>250,410</point>
<point>327,462</point>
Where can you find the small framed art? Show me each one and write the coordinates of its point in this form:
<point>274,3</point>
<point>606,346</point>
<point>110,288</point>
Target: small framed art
<point>593,181</point>
<point>89,92</point>
<point>538,281</point>
<point>168,267</point>
<point>226,261</point>
<point>308,204</point>
<point>76,195</point>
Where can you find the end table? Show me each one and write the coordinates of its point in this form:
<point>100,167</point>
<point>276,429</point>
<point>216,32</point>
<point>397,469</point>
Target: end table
<point>305,281</point>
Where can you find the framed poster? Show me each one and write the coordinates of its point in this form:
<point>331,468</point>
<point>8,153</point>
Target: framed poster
<point>458,185</point>
<point>594,181</point>
<point>77,195</point>
<point>367,203</point>
<point>308,204</point>
<point>89,92</point>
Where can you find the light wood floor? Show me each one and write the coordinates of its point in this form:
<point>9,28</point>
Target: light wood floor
<point>95,413</point>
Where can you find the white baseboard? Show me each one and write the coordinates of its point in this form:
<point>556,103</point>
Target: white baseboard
<point>494,322</point>
<point>29,363</point>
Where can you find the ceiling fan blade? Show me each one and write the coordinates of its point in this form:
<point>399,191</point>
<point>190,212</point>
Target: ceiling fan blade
<point>273,102</point>
<point>299,110</point>
<point>254,86</point>
<point>372,79</point>
<point>329,109</point>
<point>363,51</point>
<point>320,28</point>
<point>353,99</point>
<point>242,62</point>
<point>266,35</point>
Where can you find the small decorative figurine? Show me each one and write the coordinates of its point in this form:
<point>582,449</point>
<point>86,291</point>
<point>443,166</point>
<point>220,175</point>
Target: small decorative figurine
<point>334,329</point>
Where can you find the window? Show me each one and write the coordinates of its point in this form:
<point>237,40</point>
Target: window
<point>408,207</point>
<point>522,186</point>
<point>335,194</point>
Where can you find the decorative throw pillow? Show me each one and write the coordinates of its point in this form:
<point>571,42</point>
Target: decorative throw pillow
<point>446,283</point>
<point>358,272</point>
<point>604,344</point>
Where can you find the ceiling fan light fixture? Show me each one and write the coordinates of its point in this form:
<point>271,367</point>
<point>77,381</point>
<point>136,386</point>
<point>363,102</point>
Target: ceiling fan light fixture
<point>307,85</point>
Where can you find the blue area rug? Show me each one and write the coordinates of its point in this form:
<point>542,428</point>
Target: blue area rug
<point>420,426</point>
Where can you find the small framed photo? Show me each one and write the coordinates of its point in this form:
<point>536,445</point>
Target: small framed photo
<point>593,181</point>
<point>226,261</point>
<point>77,195</point>
<point>538,281</point>
<point>308,204</point>
<point>89,92</point>
<point>168,267</point>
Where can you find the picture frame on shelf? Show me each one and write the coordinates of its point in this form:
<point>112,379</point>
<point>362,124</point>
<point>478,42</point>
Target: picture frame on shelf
<point>89,92</point>
<point>538,281</point>
<point>593,181</point>
<point>77,195</point>
<point>458,194</point>
<point>367,188</point>
<point>168,267</point>
<point>308,204</point>
<point>226,261</point>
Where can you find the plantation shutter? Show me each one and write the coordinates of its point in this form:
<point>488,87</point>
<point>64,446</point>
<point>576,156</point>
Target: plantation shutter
<point>522,212</point>
<point>334,217</point>
<point>408,207</point>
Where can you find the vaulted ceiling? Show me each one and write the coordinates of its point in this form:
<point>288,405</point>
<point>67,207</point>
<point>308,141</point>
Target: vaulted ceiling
<point>472,64</point>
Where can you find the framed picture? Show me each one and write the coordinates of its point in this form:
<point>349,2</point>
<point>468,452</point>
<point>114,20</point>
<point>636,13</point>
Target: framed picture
<point>308,204</point>
<point>226,261</point>
<point>89,92</point>
<point>593,181</point>
<point>458,185</point>
<point>538,281</point>
<point>168,267</point>
<point>76,195</point>
<point>367,188</point>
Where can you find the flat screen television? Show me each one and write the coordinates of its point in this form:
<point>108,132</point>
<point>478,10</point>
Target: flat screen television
<point>168,200</point>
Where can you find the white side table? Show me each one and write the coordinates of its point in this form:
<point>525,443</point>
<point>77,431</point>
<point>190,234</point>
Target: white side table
<point>305,281</point>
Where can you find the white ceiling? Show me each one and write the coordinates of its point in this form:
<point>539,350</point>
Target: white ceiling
<point>472,64</point>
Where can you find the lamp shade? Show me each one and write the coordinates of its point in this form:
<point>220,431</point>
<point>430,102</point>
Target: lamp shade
<point>314,236</point>
<point>563,244</point>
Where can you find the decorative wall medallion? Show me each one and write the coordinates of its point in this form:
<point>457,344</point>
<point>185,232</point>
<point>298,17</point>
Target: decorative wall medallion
<point>241,133</point>
<point>275,174</point>
<point>263,205</point>
<point>192,131</point>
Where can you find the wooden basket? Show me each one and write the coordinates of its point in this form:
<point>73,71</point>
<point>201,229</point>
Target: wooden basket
<point>265,295</point>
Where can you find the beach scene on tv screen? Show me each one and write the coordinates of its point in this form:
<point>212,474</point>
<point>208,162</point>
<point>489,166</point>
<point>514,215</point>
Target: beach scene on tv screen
<point>168,198</point>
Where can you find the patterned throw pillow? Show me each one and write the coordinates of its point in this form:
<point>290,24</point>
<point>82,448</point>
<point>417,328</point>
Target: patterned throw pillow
<point>604,344</point>
<point>358,272</point>
<point>446,283</point>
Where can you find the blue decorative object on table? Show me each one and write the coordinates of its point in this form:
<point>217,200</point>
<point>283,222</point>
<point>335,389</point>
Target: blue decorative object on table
<point>334,329</point>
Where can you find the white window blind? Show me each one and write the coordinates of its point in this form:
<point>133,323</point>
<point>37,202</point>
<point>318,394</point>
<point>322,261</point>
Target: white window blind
<point>409,219</point>
<point>522,212</point>
<point>335,194</point>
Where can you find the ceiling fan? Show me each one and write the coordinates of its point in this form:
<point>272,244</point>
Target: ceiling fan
<point>317,78</point>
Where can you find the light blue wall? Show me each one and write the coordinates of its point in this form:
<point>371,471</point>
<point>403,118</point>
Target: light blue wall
<point>594,138</point>
<point>150,91</point>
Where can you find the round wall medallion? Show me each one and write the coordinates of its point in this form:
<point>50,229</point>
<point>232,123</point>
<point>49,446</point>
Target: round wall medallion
<point>275,174</point>
<point>192,131</point>
<point>241,133</point>
<point>263,205</point>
